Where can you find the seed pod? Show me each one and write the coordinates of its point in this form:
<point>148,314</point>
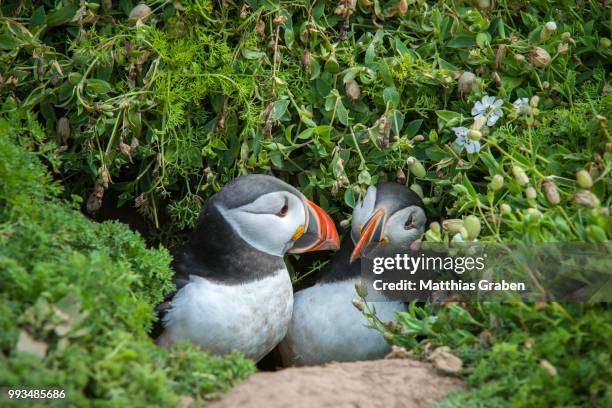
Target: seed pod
<point>520,176</point>
<point>505,209</point>
<point>125,149</point>
<point>467,83</point>
<point>534,212</point>
<point>499,56</point>
<point>562,49</point>
<point>605,43</point>
<point>484,4</point>
<point>540,58</point>
<point>497,182</point>
<point>339,165</point>
<point>261,29</point>
<point>472,226</point>
<point>550,189</point>
<point>335,188</point>
<point>534,101</point>
<point>306,61</point>
<point>245,11</point>
<point>416,167</point>
<point>496,78</point>
<point>361,288</point>
<point>550,26</point>
<point>352,90</point>
<point>400,176</point>
<point>104,176</point>
<point>402,7</point>
<point>417,189</point>
<point>279,20</point>
<point>530,193</point>
<point>140,12</point>
<point>584,179</point>
<point>474,134</point>
<point>452,226</point>
<point>358,304</point>
<point>596,233</point>
<point>586,199</point>
<point>63,129</point>
<point>344,181</point>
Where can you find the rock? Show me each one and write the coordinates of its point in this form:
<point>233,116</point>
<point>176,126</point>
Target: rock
<point>444,360</point>
<point>27,344</point>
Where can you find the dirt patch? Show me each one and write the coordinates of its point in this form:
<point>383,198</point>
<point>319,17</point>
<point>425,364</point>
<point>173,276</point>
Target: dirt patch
<point>380,383</point>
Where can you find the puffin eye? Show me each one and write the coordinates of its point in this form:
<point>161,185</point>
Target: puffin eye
<point>284,209</point>
<point>409,223</point>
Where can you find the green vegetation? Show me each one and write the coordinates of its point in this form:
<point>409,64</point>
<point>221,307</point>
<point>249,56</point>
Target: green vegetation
<point>77,298</point>
<point>162,109</point>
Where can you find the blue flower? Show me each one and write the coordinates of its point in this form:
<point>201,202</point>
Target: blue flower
<point>471,146</point>
<point>489,108</point>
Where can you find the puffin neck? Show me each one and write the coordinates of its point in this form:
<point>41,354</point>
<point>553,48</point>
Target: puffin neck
<point>216,252</point>
<point>340,268</point>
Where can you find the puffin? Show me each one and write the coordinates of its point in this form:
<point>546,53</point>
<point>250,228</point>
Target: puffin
<point>325,325</point>
<point>233,290</point>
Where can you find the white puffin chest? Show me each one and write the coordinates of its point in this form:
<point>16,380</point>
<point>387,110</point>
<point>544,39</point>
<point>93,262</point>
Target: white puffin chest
<point>251,318</point>
<point>327,327</point>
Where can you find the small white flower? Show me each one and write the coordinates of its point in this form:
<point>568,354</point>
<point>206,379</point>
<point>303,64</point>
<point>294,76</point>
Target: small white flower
<point>551,26</point>
<point>471,146</point>
<point>457,238</point>
<point>522,106</point>
<point>490,108</point>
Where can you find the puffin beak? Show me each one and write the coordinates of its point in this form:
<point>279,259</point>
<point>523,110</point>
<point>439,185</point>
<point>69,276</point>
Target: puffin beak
<point>320,233</point>
<point>372,232</point>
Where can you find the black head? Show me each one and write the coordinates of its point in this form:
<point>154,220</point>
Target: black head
<point>390,215</point>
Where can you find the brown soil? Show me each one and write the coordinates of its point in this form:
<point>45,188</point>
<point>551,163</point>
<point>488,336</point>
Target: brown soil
<point>387,383</point>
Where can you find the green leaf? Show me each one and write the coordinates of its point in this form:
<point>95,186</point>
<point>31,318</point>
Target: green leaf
<point>413,128</point>
<point>341,112</point>
<point>306,134</point>
<point>448,118</point>
<point>98,86</point>
<point>349,197</point>
<point>462,41</point>
<point>391,96</point>
<point>8,42</point>
<point>279,109</point>
<point>38,18</point>
<point>62,16</point>
<point>364,177</point>
<point>252,54</point>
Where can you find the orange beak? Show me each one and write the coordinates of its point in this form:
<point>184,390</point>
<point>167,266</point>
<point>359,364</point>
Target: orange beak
<point>320,234</point>
<point>372,228</point>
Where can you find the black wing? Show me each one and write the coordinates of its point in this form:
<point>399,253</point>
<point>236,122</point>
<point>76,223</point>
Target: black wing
<point>181,264</point>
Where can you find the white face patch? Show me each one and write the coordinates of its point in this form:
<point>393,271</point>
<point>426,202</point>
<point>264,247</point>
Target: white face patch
<point>406,226</point>
<point>362,212</point>
<point>269,223</point>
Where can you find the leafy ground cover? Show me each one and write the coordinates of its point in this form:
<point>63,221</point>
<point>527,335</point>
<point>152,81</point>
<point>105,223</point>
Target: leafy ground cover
<point>496,112</point>
<point>77,299</point>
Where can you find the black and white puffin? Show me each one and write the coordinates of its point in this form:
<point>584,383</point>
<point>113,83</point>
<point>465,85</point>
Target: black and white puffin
<point>233,288</point>
<point>325,325</point>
